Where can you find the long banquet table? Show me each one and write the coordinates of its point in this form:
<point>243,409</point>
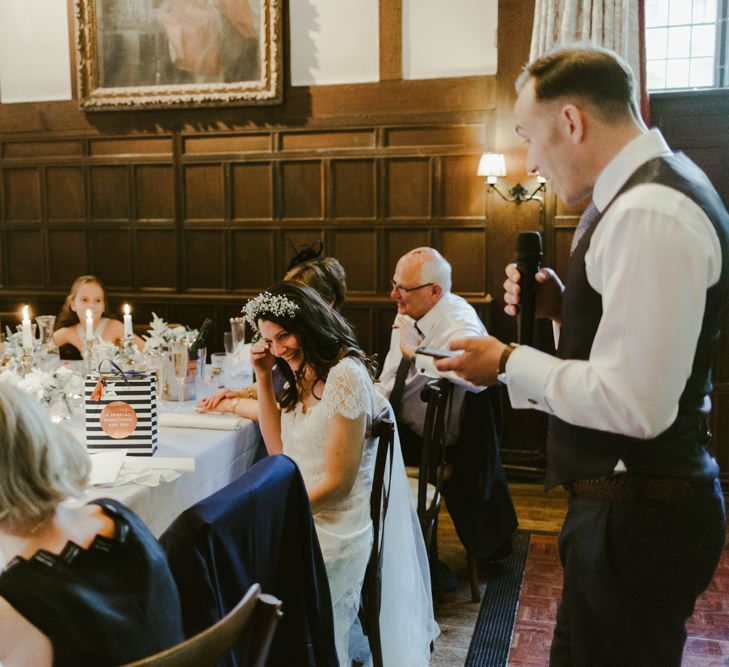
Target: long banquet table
<point>220,458</point>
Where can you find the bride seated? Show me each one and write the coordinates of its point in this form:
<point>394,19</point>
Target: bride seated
<point>326,275</point>
<point>87,293</point>
<point>323,423</point>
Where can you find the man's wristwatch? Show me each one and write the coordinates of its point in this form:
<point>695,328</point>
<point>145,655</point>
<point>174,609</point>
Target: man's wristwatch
<point>501,373</point>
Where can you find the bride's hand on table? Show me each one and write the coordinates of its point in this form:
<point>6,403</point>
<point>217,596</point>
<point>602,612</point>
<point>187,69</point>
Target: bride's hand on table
<point>214,401</point>
<point>261,358</point>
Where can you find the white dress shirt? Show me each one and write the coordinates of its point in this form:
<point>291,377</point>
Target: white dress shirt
<point>652,258</point>
<point>451,317</point>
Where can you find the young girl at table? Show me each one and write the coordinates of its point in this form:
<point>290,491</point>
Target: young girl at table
<point>79,585</point>
<point>87,293</point>
<point>326,275</point>
<point>322,421</point>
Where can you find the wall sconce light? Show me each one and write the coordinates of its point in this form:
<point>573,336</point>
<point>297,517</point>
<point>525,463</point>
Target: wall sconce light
<point>493,167</point>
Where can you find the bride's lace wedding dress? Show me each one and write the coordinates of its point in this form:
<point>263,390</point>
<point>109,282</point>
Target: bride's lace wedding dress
<point>345,531</point>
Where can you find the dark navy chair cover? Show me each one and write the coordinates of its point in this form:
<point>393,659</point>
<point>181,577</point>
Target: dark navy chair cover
<point>259,529</point>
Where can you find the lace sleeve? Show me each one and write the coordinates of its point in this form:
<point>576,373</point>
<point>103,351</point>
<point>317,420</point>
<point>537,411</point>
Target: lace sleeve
<point>347,391</point>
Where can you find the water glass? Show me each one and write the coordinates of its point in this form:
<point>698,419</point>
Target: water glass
<point>238,330</point>
<point>179,358</point>
<point>218,363</point>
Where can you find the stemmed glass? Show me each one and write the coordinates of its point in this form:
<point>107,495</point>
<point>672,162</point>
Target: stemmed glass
<point>178,357</point>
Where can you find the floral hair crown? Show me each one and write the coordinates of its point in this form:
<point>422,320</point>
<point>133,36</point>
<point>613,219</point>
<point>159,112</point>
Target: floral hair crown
<point>273,304</point>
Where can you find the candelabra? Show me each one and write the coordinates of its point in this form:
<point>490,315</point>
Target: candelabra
<point>87,354</point>
<point>26,361</point>
<point>129,355</point>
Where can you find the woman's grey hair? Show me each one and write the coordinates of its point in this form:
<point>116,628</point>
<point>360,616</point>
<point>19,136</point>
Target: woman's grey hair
<point>41,464</point>
<point>434,268</point>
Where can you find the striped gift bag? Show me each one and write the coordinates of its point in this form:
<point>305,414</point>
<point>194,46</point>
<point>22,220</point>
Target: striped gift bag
<point>121,411</point>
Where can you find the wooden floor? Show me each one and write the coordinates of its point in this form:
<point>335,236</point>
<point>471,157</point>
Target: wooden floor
<point>537,511</point>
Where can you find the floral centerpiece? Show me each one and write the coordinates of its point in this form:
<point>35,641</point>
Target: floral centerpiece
<point>13,343</point>
<point>61,385</point>
<point>157,342</point>
<point>160,335</point>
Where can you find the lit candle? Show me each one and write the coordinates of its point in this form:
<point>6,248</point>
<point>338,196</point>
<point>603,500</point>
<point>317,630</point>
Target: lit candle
<point>127,321</point>
<point>27,331</point>
<point>89,324</point>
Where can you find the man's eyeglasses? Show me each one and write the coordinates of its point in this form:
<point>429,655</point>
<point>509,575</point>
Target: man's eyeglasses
<point>406,290</point>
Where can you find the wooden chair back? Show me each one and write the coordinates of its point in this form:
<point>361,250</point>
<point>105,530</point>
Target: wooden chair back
<point>384,429</point>
<point>432,471</point>
<point>256,611</point>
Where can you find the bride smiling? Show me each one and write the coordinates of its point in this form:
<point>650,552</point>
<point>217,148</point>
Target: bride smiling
<point>323,423</point>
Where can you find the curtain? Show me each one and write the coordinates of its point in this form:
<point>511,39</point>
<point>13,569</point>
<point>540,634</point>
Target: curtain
<point>613,24</point>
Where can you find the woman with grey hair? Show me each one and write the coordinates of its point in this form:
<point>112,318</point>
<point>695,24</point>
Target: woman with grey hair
<point>82,584</point>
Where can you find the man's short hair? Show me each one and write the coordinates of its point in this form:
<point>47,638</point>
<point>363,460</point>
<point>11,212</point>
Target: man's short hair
<point>597,76</point>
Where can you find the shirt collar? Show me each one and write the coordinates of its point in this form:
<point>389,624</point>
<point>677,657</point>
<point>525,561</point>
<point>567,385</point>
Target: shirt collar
<point>646,146</point>
<point>427,321</point>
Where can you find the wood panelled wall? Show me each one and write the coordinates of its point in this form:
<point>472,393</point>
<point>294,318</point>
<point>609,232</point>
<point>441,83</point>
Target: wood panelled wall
<point>182,222</point>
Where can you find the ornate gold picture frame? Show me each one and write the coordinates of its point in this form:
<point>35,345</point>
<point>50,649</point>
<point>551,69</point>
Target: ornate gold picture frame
<point>153,54</point>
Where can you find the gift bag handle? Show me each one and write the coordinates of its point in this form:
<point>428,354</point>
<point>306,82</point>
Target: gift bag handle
<point>125,374</point>
<point>116,367</point>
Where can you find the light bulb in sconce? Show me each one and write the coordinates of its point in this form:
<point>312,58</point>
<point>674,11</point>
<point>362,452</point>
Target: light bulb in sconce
<point>493,166</point>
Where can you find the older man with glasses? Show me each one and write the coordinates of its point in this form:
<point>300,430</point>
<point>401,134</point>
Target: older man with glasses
<point>429,315</point>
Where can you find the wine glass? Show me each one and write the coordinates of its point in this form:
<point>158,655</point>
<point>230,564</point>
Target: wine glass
<point>228,342</point>
<point>178,357</point>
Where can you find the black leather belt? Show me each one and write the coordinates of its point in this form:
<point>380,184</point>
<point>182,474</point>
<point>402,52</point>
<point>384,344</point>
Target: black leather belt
<point>626,487</point>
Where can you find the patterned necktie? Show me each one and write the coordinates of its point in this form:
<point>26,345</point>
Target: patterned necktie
<point>588,217</point>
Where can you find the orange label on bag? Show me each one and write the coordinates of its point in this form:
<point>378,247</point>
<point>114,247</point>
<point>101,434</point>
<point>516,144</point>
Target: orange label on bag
<point>118,419</point>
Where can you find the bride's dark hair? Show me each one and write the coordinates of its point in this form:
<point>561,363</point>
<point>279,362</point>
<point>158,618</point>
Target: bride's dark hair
<point>324,335</point>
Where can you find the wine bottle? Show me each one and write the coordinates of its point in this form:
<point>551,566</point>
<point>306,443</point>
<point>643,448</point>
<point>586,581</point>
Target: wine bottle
<point>200,339</point>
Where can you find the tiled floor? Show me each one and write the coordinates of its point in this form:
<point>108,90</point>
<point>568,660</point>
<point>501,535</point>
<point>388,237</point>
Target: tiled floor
<point>707,646</point>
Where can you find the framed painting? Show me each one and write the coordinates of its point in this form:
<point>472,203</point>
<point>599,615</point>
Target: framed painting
<point>152,54</point>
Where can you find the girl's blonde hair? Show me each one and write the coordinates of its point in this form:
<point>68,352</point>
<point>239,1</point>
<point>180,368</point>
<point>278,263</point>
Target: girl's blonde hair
<point>68,316</point>
<point>41,464</point>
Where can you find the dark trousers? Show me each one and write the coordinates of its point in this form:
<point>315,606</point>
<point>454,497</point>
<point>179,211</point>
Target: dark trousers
<point>632,572</point>
<point>484,517</point>
<point>411,444</point>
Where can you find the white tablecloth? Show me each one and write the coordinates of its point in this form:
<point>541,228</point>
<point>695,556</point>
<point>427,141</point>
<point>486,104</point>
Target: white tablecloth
<point>220,457</point>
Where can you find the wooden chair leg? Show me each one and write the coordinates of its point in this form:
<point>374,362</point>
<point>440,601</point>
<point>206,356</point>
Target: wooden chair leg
<point>473,577</point>
<point>434,565</point>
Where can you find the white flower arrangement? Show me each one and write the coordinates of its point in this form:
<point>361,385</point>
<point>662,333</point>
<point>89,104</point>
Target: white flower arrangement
<point>60,384</point>
<point>13,342</point>
<point>160,335</point>
<point>275,304</point>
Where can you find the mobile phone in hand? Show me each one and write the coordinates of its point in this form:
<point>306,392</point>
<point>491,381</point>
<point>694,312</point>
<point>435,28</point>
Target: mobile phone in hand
<point>435,353</point>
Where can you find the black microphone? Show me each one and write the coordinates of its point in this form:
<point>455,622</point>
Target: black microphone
<point>528,262</point>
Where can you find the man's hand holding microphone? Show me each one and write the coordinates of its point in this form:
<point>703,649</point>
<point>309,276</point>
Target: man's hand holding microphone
<point>483,358</point>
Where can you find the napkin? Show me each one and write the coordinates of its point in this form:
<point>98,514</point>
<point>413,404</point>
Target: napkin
<point>105,466</point>
<point>207,420</point>
<point>115,468</point>
<point>153,470</point>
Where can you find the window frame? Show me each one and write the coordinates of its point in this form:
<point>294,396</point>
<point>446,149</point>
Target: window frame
<point>721,57</point>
